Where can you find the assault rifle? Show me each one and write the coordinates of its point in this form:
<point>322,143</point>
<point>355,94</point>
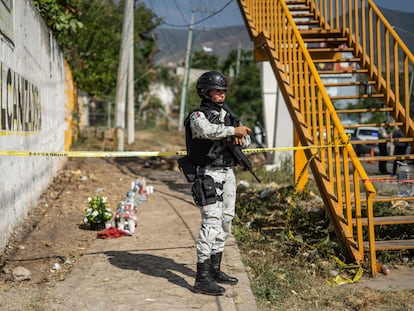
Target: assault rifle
<point>237,152</point>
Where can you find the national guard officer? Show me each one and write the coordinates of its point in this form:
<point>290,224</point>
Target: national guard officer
<point>208,127</point>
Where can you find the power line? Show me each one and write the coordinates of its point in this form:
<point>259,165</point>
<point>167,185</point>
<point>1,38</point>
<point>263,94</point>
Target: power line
<point>179,10</point>
<point>201,20</point>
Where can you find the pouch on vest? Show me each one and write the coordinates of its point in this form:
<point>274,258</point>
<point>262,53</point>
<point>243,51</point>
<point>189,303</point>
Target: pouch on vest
<point>188,168</point>
<point>204,191</point>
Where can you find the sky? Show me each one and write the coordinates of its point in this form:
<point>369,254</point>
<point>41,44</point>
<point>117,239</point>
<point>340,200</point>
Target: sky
<point>222,13</point>
<point>207,13</point>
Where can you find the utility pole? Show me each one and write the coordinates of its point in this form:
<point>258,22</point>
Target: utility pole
<point>131,108</point>
<point>121,83</point>
<point>238,60</point>
<point>186,73</point>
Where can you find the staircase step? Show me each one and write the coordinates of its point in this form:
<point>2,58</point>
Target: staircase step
<point>332,72</point>
<point>363,110</point>
<point>378,95</point>
<point>295,2</point>
<point>354,126</point>
<point>330,49</point>
<point>393,199</point>
<point>391,245</point>
<point>388,220</point>
<point>303,15</point>
<point>337,60</point>
<point>299,8</point>
<point>306,23</point>
<point>321,33</point>
<point>338,40</point>
<point>353,83</point>
<point>405,157</point>
<point>383,140</point>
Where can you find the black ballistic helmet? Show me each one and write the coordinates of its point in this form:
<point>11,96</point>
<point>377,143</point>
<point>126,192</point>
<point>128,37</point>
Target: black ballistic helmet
<point>210,80</point>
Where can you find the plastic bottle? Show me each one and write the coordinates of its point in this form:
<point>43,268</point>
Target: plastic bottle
<point>385,269</point>
<point>404,175</point>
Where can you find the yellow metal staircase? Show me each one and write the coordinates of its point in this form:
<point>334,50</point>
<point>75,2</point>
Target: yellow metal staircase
<point>307,40</point>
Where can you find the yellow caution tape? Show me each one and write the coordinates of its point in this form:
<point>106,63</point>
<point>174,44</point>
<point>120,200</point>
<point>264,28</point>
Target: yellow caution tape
<point>340,280</point>
<point>141,154</point>
<point>94,154</point>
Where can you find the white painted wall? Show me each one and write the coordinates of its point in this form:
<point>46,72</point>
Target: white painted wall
<point>277,122</point>
<point>31,61</point>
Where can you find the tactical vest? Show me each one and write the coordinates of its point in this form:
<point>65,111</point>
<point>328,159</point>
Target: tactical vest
<point>197,149</point>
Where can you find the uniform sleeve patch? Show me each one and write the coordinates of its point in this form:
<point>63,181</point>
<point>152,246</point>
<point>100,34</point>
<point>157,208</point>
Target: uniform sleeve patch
<point>196,115</point>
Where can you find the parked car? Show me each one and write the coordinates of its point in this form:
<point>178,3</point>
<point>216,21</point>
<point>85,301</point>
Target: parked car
<point>367,134</point>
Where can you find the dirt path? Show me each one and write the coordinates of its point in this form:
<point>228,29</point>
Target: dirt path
<point>152,270</point>
<point>54,234</point>
<point>66,261</point>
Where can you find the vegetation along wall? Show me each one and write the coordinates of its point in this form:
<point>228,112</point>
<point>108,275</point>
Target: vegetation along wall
<point>37,96</point>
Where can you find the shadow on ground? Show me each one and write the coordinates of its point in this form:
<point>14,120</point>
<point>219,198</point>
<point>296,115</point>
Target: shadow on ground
<point>152,265</point>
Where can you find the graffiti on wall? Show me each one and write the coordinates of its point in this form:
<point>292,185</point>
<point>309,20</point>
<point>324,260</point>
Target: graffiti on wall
<point>20,104</point>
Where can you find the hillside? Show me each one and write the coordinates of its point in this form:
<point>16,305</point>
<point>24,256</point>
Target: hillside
<point>172,43</point>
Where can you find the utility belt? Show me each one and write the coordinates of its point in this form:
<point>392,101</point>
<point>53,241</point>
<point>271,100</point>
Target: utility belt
<point>204,190</point>
<point>204,187</point>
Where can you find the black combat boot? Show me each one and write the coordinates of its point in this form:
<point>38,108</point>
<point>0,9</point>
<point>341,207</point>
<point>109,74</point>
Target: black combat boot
<point>218,275</point>
<point>204,283</point>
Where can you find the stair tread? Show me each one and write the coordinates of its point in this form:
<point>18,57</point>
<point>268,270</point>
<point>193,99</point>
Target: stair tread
<point>302,15</point>
<point>337,60</point>
<point>391,245</point>
<point>388,220</point>
<point>387,158</point>
<point>329,49</point>
<point>308,22</point>
<point>353,83</point>
<point>320,32</point>
<point>378,95</point>
<point>372,124</point>
<point>299,8</point>
<point>382,140</point>
<point>362,110</point>
<point>330,72</point>
<point>290,2</point>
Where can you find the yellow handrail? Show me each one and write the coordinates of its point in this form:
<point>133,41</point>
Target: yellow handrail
<point>277,38</point>
<point>273,29</point>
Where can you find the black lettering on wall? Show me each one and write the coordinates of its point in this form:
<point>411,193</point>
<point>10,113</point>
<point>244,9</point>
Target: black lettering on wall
<point>20,103</point>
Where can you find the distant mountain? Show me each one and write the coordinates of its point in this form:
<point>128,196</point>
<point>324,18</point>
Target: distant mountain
<point>403,23</point>
<point>172,43</point>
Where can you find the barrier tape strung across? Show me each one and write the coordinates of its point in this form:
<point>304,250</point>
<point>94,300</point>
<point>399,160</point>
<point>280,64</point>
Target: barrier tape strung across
<point>94,154</point>
<point>141,154</point>
<point>105,154</point>
<point>338,280</point>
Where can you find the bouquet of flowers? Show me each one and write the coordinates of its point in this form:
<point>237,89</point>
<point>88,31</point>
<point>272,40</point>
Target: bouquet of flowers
<point>97,211</point>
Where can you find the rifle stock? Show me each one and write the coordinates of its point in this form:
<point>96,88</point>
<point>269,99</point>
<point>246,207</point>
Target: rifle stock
<point>236,151</point>
<point>241,158</point>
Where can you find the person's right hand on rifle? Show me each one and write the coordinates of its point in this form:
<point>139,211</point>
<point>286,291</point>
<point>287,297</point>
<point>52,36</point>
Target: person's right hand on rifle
<point>240,133</point>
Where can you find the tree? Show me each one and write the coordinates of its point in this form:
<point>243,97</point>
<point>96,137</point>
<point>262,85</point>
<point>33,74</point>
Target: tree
<point>201,59</point>
<point>246,99</point>
<point>244,90</point>
<point>89,33</point>
<point>61,17</point>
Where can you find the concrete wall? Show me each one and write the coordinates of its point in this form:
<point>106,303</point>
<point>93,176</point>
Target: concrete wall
<point>36,93</point>
<point>277,122</point>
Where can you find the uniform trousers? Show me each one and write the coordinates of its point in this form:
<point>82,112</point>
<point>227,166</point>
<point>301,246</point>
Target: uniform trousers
<point>216,218</point>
